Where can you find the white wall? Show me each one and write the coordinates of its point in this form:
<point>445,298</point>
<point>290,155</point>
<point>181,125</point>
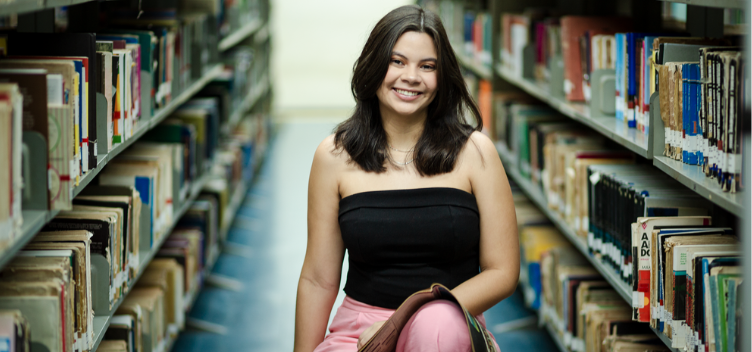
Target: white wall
<point>315,43</point>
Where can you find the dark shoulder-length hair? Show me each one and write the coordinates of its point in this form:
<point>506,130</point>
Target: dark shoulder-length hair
<point>445,132</point>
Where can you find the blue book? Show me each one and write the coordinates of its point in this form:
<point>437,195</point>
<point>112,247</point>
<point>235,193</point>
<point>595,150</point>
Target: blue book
<point>695,154</point>
<point>632,73</point>
<point>469,20</point>
<point>534,280</point>
<point>81,109</point>
<point>731,314</point>
<point>630,77</point>
<point>619,70</point>
<point>692,115</point>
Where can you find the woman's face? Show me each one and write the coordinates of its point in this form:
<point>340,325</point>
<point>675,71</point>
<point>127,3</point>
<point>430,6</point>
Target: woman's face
<point>410,82</point>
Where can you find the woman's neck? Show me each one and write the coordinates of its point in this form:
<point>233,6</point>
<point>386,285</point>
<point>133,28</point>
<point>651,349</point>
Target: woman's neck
<point>403,132</point>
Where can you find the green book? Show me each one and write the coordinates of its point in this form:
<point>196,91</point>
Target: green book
<point>722,345</point>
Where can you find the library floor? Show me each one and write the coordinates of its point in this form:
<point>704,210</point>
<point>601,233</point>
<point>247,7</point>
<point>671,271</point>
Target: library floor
<point>270,234</point>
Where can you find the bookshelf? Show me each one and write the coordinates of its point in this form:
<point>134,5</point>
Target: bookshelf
<point>104,321</point>
<point>643,145</point>
<point>472,65</point>
<point>241,34</point>
<point>693,177</point>
<point>253,96</point>
<point>535,194</point>
<point>35,220</point>
<point>607,126</point>
<point>145,126</point>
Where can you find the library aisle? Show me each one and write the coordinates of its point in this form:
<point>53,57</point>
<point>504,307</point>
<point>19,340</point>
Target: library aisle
<point>266,247</point>
<point>272,225</point>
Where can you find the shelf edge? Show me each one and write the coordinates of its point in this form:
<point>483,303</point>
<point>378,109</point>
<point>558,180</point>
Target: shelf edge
<point>239,35</point>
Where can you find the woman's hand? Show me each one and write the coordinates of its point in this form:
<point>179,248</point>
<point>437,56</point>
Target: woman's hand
<point>369,332</point>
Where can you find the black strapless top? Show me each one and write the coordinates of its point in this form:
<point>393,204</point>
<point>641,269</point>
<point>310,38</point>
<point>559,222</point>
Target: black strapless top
<point>402,241</point>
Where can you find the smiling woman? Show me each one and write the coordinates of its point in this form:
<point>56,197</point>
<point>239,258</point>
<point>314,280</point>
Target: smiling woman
<point>414,193</point>
<point>409,50</point>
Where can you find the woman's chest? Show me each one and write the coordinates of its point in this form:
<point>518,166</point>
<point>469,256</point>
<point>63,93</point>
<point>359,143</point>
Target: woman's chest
<point>425,234</point>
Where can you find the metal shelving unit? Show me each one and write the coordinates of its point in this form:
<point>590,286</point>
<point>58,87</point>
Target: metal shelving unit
<point>34,221</point>
<point>693,177</point>
<point>253,96</point>
<point>609,274</point>
<point>241,34</point>
<point>629,138</point>
<point>102,322</point>
<point>536,196</point>
<point>640,143</point>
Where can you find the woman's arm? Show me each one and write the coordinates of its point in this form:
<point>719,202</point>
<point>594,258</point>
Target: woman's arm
<point>499,244</point>
<point>322,268</point>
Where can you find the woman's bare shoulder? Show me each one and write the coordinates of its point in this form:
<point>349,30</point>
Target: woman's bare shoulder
<point>329,155</point>
<point>478,148</point>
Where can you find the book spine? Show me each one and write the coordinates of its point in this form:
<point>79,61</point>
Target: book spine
<point>631,75</point>
<point>643,279</point>
<point>619,76</point>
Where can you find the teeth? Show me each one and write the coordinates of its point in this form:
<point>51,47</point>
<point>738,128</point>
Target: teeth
<point>406,92</point>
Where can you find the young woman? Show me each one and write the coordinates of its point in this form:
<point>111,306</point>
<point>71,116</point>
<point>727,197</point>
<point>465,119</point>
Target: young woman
<point>414,193</point>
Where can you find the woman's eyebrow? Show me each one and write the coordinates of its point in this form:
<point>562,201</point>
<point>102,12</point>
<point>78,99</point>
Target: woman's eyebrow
<point>397,53</point>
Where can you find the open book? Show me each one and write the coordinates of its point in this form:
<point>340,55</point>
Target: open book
<point>385,340</point>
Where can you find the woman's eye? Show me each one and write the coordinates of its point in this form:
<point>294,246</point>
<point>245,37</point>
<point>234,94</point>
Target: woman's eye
<point>428,67</point>
<point>396,61</point>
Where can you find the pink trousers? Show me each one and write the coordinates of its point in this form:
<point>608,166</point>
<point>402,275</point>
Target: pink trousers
<point>438,326</point>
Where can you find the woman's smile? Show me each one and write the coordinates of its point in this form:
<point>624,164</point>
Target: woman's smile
<point>406,95</point>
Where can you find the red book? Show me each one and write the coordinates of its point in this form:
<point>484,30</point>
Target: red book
<point>572,28</point>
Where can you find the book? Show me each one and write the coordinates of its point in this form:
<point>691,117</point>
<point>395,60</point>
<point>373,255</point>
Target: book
<point>14,331</point>
<point>167,275</point>
<point>66,44</point>
<point>641,240</point>
<point>78,241</point>
<point>572,28</point>
<point>678,248</point>
<point>32,84</point>
<point>42,304</point>
<point>121,328</point>
<point>49,266</point>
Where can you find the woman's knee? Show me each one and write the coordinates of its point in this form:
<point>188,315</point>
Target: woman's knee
<point>437,326</point>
